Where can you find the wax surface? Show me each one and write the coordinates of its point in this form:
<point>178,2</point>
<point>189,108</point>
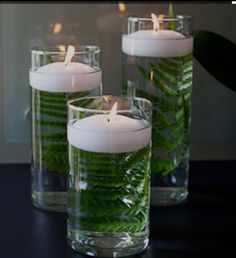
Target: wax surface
<point>58,77</point>
<point>160,34</point>
<point>161,43</point>
<point>60,67</point>
<point>120,134</point>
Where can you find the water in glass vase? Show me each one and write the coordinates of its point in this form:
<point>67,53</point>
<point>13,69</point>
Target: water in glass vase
<point>49,148</point>
<point>167,83</point>
<point>108,202</point>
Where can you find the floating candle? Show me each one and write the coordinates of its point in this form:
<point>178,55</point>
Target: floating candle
<point>65,76</point>
<point>156,43</point>
<point>109,133</point>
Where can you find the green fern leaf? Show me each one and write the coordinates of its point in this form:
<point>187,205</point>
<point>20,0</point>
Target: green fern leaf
<point>117,188</point>
<point>171,108</point>
<point>48,59</point>
<point>50,114</point>
<point>172,24</point>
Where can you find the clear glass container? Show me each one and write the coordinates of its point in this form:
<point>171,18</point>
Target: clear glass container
<point>109,178</point>
<point>52,83</point>
<point>157,65</point>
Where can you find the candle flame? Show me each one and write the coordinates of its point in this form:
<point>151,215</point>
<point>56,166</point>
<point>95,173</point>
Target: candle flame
<point>107,98</point>
<point>70,53</point>
<point>155,21</point>
<point>57,28</point>
<point>62,48</point>
<point>151,75</point>
<point>122,7</point>
<point>160,17</point>
<point>112,111</point>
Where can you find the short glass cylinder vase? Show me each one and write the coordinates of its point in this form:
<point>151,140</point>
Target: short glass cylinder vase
<point>109,179</point>
<point>157,65</point>
<point>55,77</point>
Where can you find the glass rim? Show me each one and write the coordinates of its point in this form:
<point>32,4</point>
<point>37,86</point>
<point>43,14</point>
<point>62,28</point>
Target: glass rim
<point>165,18</point>
<point>54,49</point>
<point>71,106</point>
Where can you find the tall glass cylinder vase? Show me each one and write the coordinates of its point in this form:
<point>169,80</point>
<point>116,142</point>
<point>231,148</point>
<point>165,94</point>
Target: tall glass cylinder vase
<point>157,65</point>
<point>57,76</point>
<point>109,179</point>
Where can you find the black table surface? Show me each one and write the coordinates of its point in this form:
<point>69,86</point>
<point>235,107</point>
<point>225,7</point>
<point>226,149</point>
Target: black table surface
<point>204,226</point>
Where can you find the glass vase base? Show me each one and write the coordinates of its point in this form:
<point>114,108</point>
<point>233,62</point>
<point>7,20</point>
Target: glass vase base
<point>50,201</point>
<point>107,244</point>
<point>168,196</point>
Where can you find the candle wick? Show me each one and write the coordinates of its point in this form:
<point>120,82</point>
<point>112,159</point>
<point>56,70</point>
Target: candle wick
<point>108,120</point>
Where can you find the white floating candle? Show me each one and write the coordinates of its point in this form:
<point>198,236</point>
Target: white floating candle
<point>109,134</point>
<point>65,76</point>
<point>156,43</point>
<point>162,43</point>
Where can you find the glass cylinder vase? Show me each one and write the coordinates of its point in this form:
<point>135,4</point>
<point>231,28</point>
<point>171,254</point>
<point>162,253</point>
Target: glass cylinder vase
<point>56,76</point>
<point>157,65</point>
<point>109,179</point>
